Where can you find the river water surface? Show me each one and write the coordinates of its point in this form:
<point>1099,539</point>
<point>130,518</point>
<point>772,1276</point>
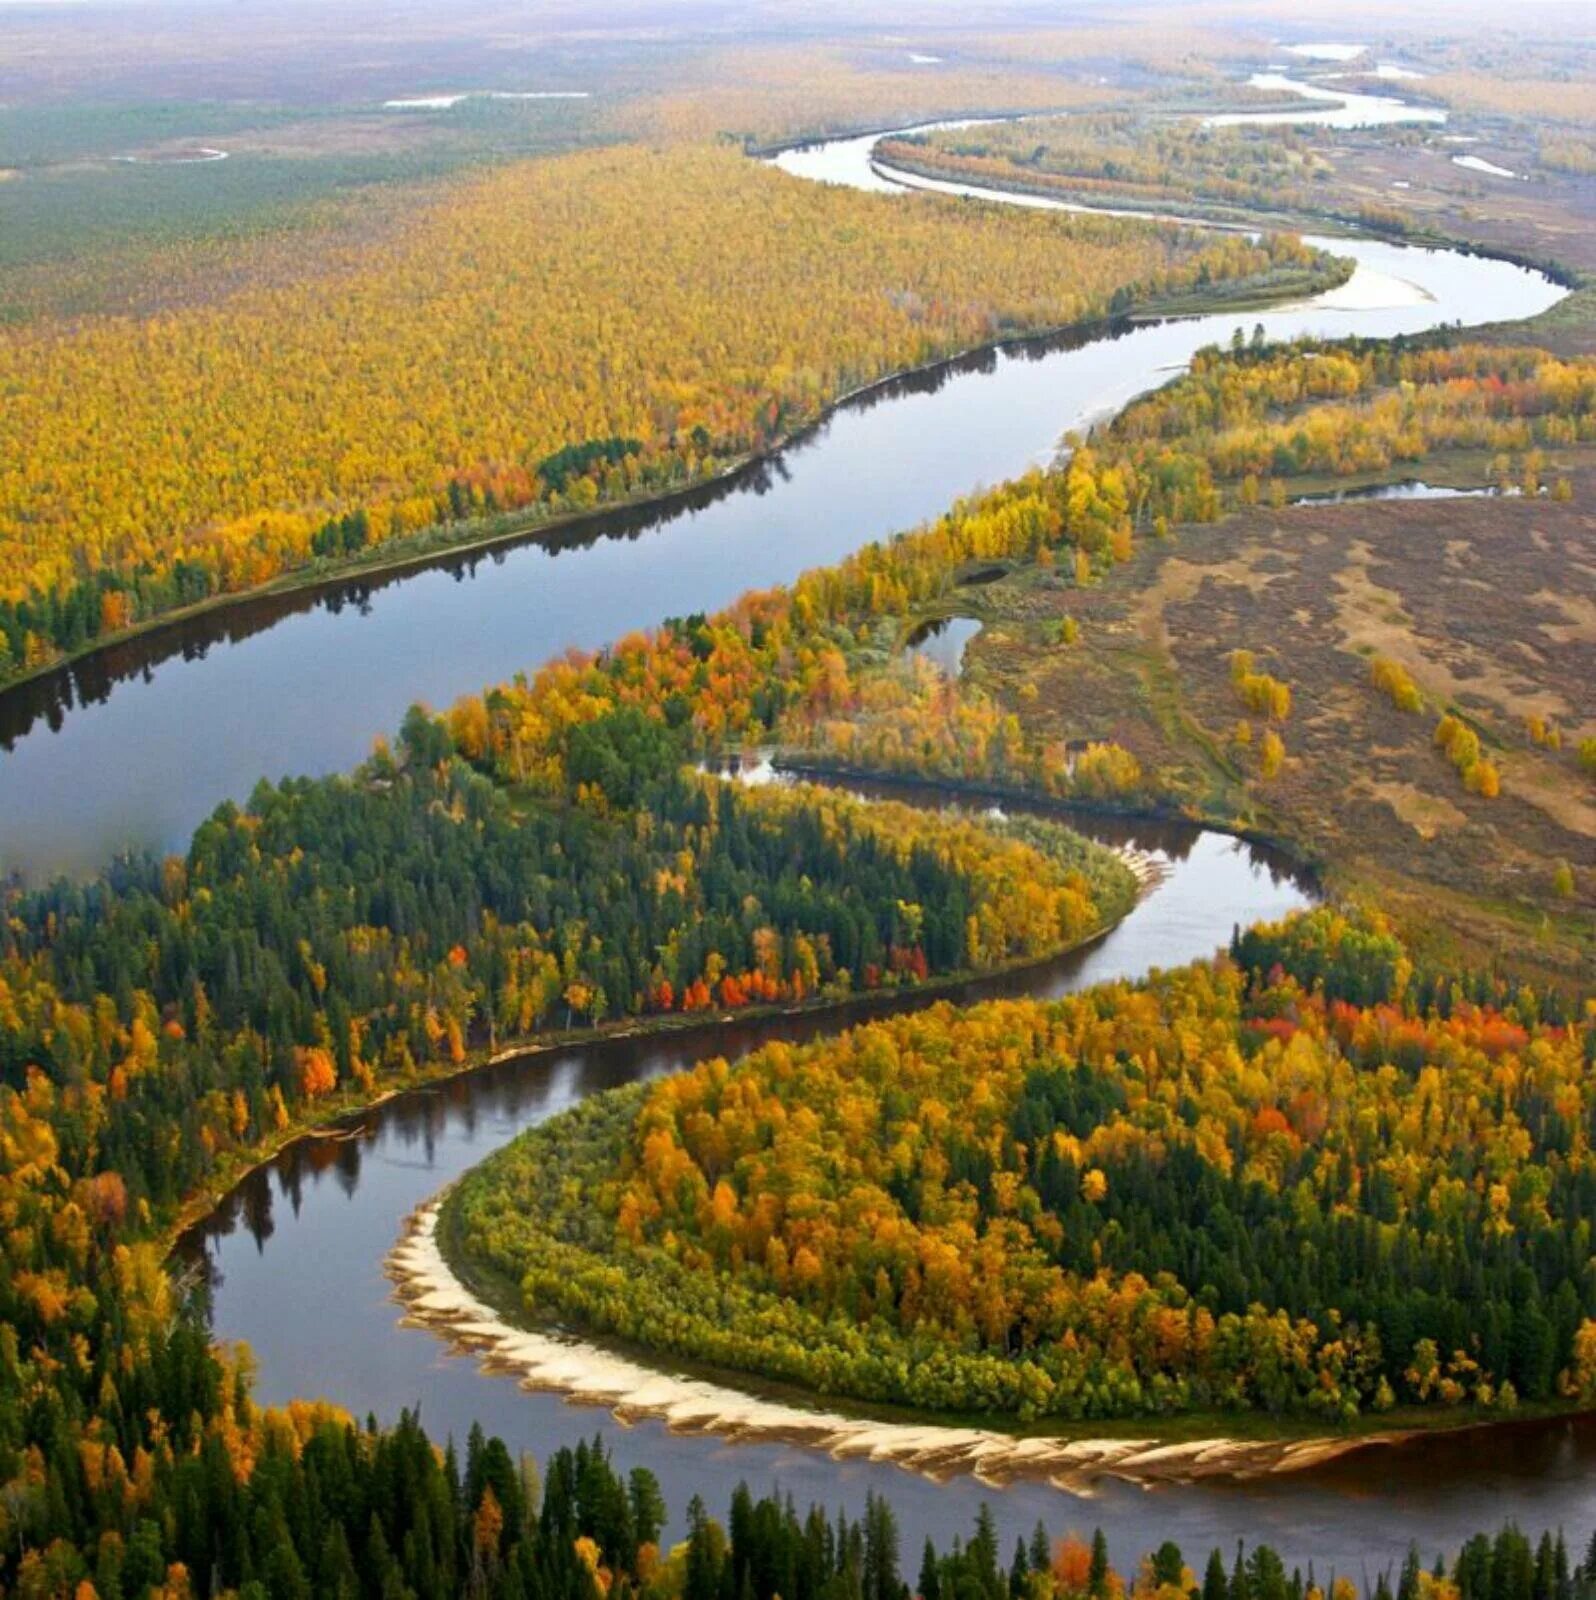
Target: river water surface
<point>294,1258</point>
<point>136,745</point>
<point>294,1255</point>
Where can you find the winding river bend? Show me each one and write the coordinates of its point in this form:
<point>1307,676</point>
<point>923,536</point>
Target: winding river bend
<point>295,1259</point>
<point>294,1255</point>
<point>300,683</point>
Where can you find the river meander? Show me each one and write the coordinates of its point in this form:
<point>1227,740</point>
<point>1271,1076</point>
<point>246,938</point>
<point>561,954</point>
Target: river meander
<point>90,756</point>
<point>295,1253</point>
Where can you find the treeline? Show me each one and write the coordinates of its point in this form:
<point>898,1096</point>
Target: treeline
<point>819,667</point>
<point>1506,1567</point>
<point>512,343</point>
<point>1304,1181</point>
<point>1563,152</point>
<point>303,1505</point>
<point>1254,418</point>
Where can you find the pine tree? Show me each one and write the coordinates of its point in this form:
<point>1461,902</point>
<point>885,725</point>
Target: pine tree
<point>1408,1582</point>
<point>881,1579</point>
<point>1168,1564</point>
<point>1097,1575</point>
<point>1019,1570</point>
<point>1041,1548</point>
<point>1216,1586</point>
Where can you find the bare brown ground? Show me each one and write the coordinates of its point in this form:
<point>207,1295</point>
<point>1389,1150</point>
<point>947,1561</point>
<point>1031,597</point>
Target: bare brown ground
<point>1489,604</point>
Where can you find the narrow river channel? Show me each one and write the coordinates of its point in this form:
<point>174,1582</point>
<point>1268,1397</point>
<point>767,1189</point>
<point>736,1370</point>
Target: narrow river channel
<point>295,1261</point>
<point>295,1255</point>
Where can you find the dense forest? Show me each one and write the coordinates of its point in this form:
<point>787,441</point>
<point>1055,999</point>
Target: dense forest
<point>1305,1183</point>
<point>515,343</point>
<point>136,1465</point>
<point>341,936</point>
<point>538,857</point>
<point>1305,1180</point>
<point>1252,418</point>
<point>349,931</point>
<point>307,1506</point>
<point>818,668</point>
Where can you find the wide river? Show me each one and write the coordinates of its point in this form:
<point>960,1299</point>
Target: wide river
<point>294,1255</point>
<point>135,745</point>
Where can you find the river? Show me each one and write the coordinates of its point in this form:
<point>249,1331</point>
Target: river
<point>137,744</point>
<point>294,1255</point>
<point>294,1258</point>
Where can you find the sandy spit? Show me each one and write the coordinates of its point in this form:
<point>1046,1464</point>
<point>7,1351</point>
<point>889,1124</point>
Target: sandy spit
<point>434,1298</point>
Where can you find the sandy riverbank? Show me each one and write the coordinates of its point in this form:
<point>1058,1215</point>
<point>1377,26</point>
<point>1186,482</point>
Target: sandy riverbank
<point>434,1298</point>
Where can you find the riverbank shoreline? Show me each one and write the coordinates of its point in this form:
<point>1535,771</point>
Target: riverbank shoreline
<point>1228,219</point>
<point>435,547</point>
<point>342,1121</point>
<point>433,1297</point>
<point>794,765</point>
<point>1215,106</point>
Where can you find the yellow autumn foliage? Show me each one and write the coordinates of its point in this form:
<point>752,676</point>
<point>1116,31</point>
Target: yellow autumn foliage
<point>664,310</point>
